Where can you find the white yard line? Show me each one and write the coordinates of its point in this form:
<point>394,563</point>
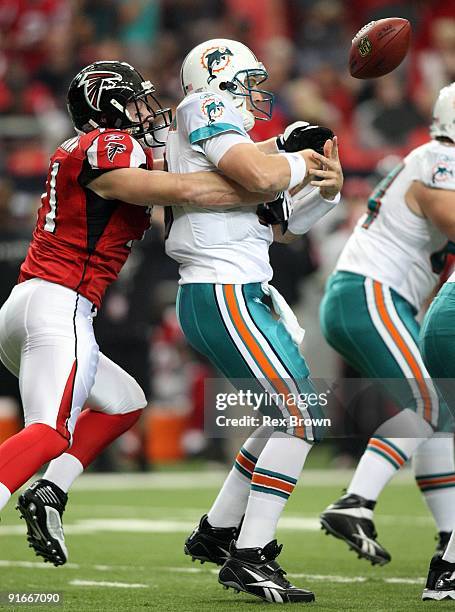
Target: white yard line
<point>177,525</point>
<point>325,577</point>
<point>76,566</point>
<point>210,479</point>
<point>194,570</point>
<point>105,583</point>
<point>34,564</point>
<point>131,525</point>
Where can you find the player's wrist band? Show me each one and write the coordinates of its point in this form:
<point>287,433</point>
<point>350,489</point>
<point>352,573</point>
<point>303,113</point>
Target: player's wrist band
<point>298,169</point>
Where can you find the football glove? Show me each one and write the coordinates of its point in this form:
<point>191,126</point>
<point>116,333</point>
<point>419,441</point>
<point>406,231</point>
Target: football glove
<point>276,212</point>
<point>301,135</point>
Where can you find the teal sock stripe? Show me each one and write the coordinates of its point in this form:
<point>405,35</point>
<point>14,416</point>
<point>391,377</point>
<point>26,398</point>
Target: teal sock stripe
<point>248,455</point>
<point>384,455</point>
<point>242,470</point>
<point>288,479</point>
<point>427,488</point>
<point>260,489</point>
<point>395,448</point>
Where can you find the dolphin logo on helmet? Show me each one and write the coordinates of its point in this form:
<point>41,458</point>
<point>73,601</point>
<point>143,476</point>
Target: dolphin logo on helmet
<point>215,61</point>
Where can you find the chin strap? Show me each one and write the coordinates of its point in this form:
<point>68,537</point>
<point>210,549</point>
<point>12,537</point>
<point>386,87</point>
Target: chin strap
<point>248,119</point>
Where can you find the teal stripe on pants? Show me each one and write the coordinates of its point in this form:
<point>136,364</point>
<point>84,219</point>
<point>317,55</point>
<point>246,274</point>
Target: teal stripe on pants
<point>348,326</point>
<point>206,330</point>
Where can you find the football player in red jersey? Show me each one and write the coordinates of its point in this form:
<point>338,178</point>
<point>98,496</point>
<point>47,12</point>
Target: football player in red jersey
<point>82,238</point>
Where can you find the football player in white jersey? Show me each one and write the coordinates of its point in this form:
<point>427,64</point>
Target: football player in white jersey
<point>224,270</point>
<point>387,269</point>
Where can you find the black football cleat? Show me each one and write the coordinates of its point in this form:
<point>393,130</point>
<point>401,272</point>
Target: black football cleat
<point>441,580</point>
<point>208,543</point>
<point>42,506</point>
<point>442,538</point>
<point>350,518</point>
<point>255,571</point>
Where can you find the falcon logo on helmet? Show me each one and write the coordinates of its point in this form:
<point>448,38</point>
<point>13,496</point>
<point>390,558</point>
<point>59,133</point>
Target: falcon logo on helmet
<point>95,83</point>
<point>215,59</point>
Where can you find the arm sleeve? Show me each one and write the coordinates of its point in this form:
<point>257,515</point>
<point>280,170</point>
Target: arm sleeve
<point>438,169</point>
<point>213,125</point>
<point>111,151</point>
<point>309,208</point>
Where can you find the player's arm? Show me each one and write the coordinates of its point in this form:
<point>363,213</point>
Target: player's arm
<point>145,187</point>
<point>159,164</point>
<point>269,147</point>
<point>310,205</point>
<point>258,172</point>
<point>436,204</point>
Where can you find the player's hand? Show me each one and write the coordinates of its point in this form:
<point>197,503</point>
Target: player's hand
<point>301,135</point>
<point>276,212</point>
<point>329,178</point>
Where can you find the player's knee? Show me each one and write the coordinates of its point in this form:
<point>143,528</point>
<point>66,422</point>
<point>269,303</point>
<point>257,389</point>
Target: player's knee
<point>134,398</point>
<point>56,442</point>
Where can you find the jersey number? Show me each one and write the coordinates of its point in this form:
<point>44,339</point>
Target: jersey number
<point>375,199</point>
<point>50,225</point>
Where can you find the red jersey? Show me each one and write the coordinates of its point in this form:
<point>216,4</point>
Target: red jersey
<point>81,240</point>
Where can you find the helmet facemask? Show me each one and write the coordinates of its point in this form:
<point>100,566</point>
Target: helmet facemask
<point>245,85</point>
<point>145,116</point>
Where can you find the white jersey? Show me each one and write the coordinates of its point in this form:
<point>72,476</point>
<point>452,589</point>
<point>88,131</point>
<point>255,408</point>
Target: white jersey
<point>223,245</point>
<point>392,244</point>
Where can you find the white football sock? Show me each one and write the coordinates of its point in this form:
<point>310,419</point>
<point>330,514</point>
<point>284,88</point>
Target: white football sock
<point>5,494</point>
<point>275,476</point>
<point>63,471</point>
<point>449,554</point>
<point>230,505</point>
<point>384,456</point>
<point>434,469</point>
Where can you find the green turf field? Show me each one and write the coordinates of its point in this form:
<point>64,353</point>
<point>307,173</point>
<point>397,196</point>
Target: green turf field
<point>125,537</point>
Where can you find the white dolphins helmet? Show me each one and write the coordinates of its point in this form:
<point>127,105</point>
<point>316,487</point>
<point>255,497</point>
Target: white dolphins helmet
<point>444,114</point>
<point>228,68</point>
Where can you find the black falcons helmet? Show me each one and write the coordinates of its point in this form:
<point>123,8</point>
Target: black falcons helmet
<point>98,97</point>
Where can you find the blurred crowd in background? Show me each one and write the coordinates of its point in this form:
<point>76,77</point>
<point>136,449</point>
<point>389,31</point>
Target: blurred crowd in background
<point>304,45</point>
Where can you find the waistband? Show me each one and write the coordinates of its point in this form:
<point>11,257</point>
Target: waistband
<point>85,305</point>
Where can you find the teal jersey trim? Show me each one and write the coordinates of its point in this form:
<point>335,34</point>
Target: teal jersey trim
<point>209,131</point>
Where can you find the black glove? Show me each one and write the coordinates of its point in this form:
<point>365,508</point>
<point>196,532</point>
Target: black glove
<point>301,135</point>
<point>276,212</point>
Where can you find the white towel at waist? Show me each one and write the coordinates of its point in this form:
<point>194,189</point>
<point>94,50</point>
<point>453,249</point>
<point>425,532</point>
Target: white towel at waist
<point>284,311</point>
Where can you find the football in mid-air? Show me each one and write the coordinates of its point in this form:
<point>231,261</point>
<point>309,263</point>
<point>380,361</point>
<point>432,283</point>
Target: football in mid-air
<point>379,47</point>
